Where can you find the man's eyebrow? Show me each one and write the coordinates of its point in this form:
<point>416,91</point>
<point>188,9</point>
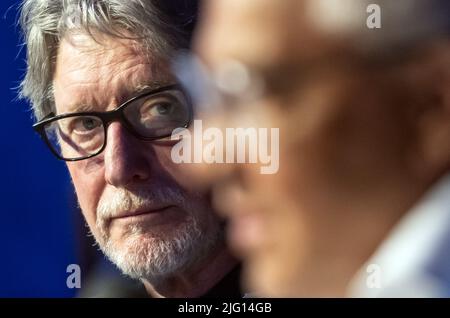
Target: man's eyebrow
<point>141,88</point>
<point>79,108</point>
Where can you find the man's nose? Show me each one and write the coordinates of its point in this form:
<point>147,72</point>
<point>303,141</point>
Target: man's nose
<point>127,160</point>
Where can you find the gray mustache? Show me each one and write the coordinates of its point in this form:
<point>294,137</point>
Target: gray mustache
<point>144,198</point>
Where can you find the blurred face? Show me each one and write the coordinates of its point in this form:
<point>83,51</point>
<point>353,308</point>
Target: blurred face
<point>344,143</point>
<point>342,156</point>
<point>130,194</point>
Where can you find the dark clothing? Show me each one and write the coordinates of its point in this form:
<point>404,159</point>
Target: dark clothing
<point>229,286</point>
<point>112,284</point>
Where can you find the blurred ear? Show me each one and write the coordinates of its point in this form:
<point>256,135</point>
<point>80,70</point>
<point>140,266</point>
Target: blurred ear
<point>433,119</point>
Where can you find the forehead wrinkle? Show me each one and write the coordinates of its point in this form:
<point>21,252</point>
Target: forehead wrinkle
<point>105,75</point>
<point>89,55</point>
<point>125,68</point>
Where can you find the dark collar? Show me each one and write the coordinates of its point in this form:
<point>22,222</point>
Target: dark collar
<point>229,286</point>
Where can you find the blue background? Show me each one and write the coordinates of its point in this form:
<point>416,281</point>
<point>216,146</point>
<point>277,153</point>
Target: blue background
<point>37,214</point>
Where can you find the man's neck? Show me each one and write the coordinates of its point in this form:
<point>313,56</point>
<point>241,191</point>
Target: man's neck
<point>196,281</point>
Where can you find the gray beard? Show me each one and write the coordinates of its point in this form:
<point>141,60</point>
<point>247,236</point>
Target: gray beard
<point>155,257</point>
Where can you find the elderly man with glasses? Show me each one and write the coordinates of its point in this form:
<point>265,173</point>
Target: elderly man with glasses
<point>100,84</point>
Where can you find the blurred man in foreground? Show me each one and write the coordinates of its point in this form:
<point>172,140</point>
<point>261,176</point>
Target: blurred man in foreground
<point>360,205</point>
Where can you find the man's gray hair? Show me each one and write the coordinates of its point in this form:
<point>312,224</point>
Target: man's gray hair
<point>160,26</point>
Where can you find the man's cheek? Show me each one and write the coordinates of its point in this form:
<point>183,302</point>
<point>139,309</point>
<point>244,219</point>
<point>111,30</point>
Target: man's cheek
<point>88,192</point>
<point>88,207</point>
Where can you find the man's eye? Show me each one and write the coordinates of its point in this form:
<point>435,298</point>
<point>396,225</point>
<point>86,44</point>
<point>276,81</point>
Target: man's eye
<point>162,109</point>
<point>85,124</point>
<point>159,109</point>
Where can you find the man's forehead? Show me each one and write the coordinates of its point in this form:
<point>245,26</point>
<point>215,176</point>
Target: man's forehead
<point>99,42</point>
<point>88,71</point>
<point>81,52</point>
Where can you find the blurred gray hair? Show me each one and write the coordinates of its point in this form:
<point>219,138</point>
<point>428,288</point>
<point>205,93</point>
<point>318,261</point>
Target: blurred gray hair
<point>160,26</point>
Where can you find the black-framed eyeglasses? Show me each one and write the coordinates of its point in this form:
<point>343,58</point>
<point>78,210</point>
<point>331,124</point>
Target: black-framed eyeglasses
<point>149,116</point>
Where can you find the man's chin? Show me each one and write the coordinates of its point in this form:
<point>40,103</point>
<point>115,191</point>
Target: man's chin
<point>127,241</point>
<point>154,253</point>
<point>145,255</point>
<point>126,235</point>
<point>121,231</point>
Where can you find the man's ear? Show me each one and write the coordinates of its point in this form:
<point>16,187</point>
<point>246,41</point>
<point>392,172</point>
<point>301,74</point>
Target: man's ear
<point>433,119</point>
